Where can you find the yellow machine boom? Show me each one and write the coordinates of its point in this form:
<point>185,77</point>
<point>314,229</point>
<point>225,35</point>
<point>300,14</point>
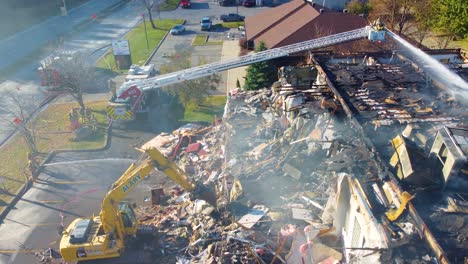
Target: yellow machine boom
<point>105,236</point>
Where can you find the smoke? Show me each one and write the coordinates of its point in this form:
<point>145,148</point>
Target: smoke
<point>452,81</point>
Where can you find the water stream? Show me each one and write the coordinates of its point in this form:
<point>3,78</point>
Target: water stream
<point>452,81</point>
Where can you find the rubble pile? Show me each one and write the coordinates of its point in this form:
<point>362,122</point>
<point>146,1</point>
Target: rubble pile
<point>299,180</point>
<point>390,97</point>
<point>275,161</point>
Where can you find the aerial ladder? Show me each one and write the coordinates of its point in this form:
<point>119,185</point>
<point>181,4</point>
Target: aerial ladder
<point>108,234</point>
<point>374,32</point>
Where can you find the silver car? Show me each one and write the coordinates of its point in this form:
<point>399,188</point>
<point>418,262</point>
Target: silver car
<point>177,29</point>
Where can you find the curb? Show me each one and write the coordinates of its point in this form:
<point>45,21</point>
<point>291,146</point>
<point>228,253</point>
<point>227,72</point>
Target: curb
<point>19,194</point>
<point>159,45</point>
<point>34,112</point>
<point>37,52</point>
<point>156,49</point>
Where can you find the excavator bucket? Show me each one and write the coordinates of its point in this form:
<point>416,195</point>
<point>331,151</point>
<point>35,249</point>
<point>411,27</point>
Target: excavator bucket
<point>206,192</point>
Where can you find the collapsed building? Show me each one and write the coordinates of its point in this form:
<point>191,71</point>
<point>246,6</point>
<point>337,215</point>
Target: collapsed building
<point>343,160</point>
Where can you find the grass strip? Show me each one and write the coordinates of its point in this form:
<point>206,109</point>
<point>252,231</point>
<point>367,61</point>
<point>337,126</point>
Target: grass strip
<point>52,133</point>
<point>169,5</point>
<point>232,24</point>
<point>205,112</point>
<point>140,50</point>
<point>201,40</point>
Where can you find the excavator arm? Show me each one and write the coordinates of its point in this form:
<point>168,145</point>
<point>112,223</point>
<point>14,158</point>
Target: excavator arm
<point>169,168</point>
<point>163,164</point>
<point>110,216</point>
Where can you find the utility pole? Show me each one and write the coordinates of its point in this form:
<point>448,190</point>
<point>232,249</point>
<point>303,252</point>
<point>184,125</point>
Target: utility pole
<point>146,34</point>
<point>237,7</point>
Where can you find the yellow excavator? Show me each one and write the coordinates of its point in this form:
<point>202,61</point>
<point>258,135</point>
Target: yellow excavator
<point>106,235</point>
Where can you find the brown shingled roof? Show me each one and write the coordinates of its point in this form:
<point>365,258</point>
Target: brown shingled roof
<point>268,18</point>
<point>298,21</point>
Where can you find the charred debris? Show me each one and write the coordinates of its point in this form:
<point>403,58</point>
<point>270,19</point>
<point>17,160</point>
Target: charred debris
<point>344,160</point>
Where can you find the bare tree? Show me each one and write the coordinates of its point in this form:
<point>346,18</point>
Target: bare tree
<point>74,75</point>
<point>149,5</point>
<point>420,34</point>
<point>395,13</point>
<point>443,41</point>
<point>16,117</point>
<point>422,20</point>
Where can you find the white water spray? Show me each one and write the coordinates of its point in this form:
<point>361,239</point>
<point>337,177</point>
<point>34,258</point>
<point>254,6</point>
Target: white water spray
<point>452,81</point>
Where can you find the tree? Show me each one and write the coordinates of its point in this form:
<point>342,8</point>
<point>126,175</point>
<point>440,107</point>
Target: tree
<point>443,41</point>
<point>260,74</point>
<point>395,13</point>
<point>149,5</point>
<point>17,116</point>
<point>358,7</point>
<point>74,76</point>
<point>450,17</point>
<point>421,23</point>
<point>190,92</point>
<point>420,33</point>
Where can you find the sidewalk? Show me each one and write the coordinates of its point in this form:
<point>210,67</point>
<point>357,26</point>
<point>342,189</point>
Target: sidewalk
<point>24,43</point>
<point>231,50</point>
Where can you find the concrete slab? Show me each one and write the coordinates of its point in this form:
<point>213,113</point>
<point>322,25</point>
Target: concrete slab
<point>230,50</point>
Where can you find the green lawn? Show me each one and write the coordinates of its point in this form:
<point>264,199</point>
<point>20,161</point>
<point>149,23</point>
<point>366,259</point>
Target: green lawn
<point>169,5</point>
<point>137,41</point>
<point>232,24</point>
<point>206,111</point>
<point>201,40</point>
<point>459,44</point>
<point>53,133</point>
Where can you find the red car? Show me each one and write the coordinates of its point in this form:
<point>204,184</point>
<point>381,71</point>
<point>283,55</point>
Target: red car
<point>185,3</point>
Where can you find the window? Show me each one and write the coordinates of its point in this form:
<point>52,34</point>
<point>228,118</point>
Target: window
<point>128,217</point>
<point>443,152</point>
<point>356,234</point>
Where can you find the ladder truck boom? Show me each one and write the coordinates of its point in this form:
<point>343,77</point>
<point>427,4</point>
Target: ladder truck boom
<point>122,107</point>
<point>212,68</point>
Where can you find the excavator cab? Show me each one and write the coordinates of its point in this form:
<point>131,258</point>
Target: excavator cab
<point>128,216</point>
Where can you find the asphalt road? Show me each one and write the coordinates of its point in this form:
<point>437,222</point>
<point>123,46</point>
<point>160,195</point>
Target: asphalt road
<point>73,184</point>
<point>24,83</point>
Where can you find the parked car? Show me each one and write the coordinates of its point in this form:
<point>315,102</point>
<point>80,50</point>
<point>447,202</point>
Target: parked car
<point>185,3</point>
<point>232,18</point>
<point>227,2</point>
<point>205,23</point>
<point>177,29</point>
<point>249,3</point>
